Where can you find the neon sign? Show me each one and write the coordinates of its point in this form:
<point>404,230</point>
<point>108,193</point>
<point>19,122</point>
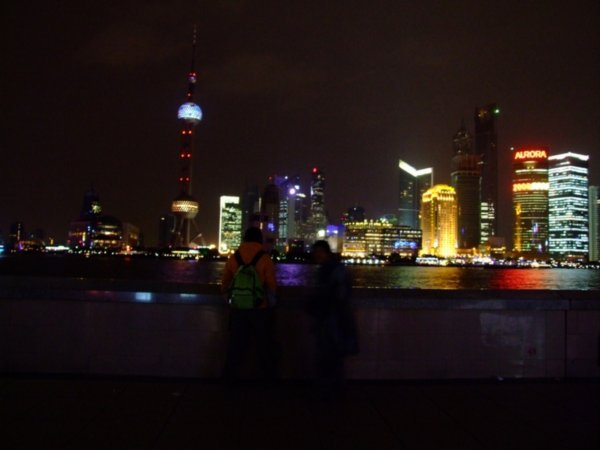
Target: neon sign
<point>531,154</point>
<point>535,186</point>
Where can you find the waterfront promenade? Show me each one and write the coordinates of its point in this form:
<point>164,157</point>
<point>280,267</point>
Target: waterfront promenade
<point>122,364</point>
<point>141,413</point>
<point>146,328</point>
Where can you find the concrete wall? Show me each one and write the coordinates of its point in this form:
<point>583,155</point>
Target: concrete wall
<point>404,333</point>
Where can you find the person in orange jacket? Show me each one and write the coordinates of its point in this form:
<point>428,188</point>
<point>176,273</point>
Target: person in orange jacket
<point>257,323</point>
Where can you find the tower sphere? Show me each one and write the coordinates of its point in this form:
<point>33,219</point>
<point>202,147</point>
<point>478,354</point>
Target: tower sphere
<point>190,112</point>
<point>185,206</point>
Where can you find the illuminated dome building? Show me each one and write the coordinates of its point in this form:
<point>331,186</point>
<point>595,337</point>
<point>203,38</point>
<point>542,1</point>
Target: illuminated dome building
<point>185,207</point>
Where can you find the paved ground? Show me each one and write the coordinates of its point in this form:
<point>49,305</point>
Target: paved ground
<point>111,413</point>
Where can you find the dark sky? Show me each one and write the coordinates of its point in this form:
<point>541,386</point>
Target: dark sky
<point>90,94</point>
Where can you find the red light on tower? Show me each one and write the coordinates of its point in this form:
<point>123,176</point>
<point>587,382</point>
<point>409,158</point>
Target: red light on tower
<point>315,170</point>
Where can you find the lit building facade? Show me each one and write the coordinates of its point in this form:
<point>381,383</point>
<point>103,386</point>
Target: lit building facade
<point>594,222</point>
<point>379,238</point>
<point>439,221</point>
<point>230,224</point>
<point>530,202</point>
<point>486,147</point>
<point>568,206</point>
<point>93,231</point>
<point>413,184</point>
<point>103,235</point>
<point>466,179</point>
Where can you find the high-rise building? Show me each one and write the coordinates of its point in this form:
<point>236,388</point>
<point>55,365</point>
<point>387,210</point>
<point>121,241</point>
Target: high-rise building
<point>594,222</point>
<point>316,225</point>
<point>250,207</point>
<point>438,221</point>
<point>230,224</point>
<point>269,210</point>
<point>379,238</point>
<point>530,202</point>
<point>465,179</point>
<point>185,207</point>
<point>317,199</point>
<point>292,213</point>
<point>486,147</point>
<point>413,184</point>
<point>568,206</point>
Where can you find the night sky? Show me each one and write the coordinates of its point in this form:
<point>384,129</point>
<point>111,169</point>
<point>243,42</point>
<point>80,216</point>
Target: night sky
<point>90,95</point>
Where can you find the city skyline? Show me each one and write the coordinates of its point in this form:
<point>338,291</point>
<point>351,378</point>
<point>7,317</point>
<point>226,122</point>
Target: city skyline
<point>81,129</point>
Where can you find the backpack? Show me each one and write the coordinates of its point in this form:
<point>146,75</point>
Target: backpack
<point>246,289</point>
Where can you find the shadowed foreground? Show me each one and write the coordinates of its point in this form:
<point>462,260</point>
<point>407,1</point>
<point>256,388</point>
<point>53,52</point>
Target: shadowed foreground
<point>134,413</point>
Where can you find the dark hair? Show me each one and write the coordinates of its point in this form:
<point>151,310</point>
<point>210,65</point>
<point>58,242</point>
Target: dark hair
<point>323,245</point>
<point>253,234</point>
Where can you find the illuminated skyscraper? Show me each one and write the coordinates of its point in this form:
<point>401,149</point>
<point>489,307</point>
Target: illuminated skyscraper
<point>438,221</point>
<point>317,199</point>
<point>594,222</point>
<point>466,179</point>
<point>316,226</point>
<point>413,184</point>
<point>486,147</point>
<point>230,224</point>
<point>530,202</point>
<point>292,212</point>
<point>568,206</point>
<point>185,207</point>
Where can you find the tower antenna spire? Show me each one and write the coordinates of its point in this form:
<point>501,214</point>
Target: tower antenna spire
<point>194,48</point>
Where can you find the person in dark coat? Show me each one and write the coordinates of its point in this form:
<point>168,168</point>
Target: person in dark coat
<point>334,324</point>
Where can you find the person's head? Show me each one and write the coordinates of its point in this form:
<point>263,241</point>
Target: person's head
<point>321,252</point>
<point>253,234</point>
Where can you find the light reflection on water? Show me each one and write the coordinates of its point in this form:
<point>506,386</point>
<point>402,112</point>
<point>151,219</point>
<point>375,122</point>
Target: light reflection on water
<point>411,277</point>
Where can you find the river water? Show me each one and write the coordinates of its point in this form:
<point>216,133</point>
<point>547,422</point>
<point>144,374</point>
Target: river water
<point>414,277</point>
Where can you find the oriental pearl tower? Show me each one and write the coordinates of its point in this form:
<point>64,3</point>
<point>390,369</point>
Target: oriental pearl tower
<point>185,207</point>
